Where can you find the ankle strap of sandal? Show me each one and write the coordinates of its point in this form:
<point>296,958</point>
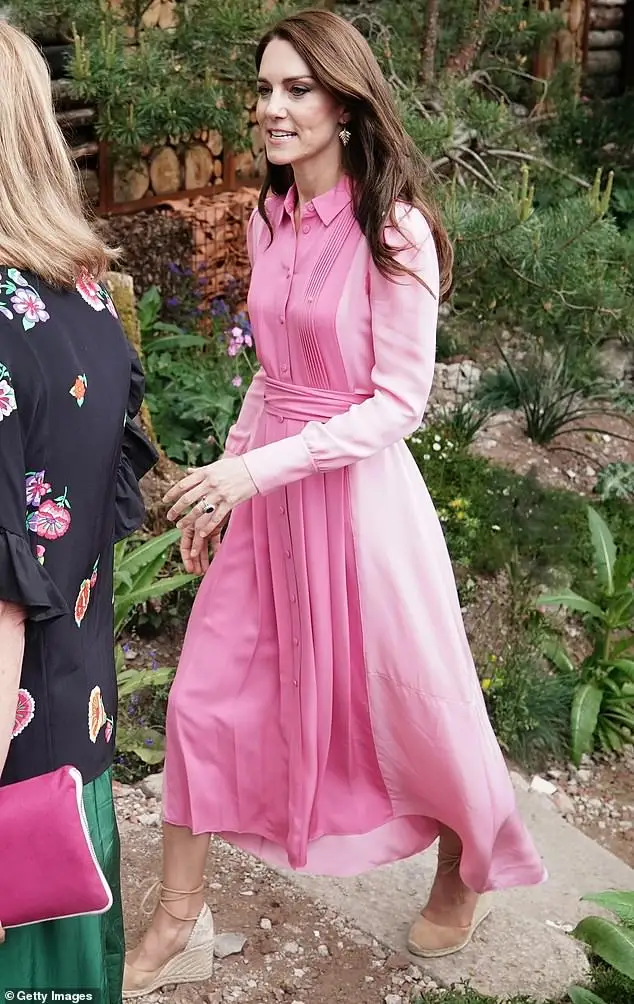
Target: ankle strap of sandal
<point>174,895</point>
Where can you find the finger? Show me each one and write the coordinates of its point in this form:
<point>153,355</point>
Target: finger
<point>194,477</point>
<point>190,498</point>
<point>204,560</point>
<point>1,935</point>
<point>206,526</point>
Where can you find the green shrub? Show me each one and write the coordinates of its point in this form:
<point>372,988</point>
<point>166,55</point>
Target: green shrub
<point>517,517</point>
<point>529,706</point>
<point>196,376</point>
<point>613,944</point>
<point>602,711</point>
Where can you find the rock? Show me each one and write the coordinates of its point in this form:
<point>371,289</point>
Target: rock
<point>398,960</point>
<point>290,948</point>
<point>615,360</point>
<point>564,803</point>
<point>323,950</point>
<point>543,786</point>
<point>393,999</point>
<point>149,819</point>
<point>229,944</point>
<point>266,924</point>
<point>152,786</point>
<point>584,775</point>
<point>215,997</point>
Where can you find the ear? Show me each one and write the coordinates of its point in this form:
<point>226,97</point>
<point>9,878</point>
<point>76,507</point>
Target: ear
<point>344,117</point>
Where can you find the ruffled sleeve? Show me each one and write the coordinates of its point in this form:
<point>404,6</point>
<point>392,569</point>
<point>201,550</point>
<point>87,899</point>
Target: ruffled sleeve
<point>138,456</point>
<point>22,579</point>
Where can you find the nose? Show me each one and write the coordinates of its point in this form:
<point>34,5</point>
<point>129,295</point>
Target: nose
<point>275,105</point>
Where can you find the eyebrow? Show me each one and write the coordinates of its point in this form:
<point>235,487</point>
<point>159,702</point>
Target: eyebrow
<point>288,80</point>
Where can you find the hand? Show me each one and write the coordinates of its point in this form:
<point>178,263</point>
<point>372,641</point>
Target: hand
<point>197,562</point>
<point>1,934</point>
<point>222,485</point>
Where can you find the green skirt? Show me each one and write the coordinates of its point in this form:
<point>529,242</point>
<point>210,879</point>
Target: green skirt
<point>81,953</point>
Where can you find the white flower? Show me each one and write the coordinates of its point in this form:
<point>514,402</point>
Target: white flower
<point>495,527</point>
<point>436,446</point>
<point>426,456</point>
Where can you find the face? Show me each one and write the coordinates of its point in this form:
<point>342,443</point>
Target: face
<point>300,121</point>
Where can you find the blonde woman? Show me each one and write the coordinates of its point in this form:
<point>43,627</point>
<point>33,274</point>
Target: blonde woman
<point>70,456</point>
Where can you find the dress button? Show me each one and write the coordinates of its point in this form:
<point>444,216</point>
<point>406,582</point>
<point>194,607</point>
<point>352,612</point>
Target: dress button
<point>282,510</point>
<point>296,641</point>
<point>287,553</point>
<point>309,207</point>
<point>306,228</point>
<point>281,318</point>
<point>294,683</point>
<point>293,598</point>
<point>280,418</point>
<point>284,368</point>
<point>310,299</point>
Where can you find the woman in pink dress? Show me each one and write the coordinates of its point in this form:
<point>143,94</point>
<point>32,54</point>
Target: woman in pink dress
<point>326,713</point>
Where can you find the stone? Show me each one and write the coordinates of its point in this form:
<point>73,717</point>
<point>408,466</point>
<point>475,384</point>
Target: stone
<point>543,786</point>
<point>152,785</point>
<point>393,999</point>
<point>323,950</point>
<point>229,944</point>
<point>616,360</point>
<point>290,948</point>
<point>564,803</point>
<point>266,924</point>
<point>149,819</point>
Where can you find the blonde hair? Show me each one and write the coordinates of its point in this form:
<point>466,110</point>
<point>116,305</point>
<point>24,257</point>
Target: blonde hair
<point>44,227</point>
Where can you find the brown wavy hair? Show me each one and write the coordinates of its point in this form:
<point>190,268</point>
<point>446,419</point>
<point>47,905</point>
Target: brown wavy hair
<point>381,158</point>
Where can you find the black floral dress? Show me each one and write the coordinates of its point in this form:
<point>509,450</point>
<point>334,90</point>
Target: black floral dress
<point>70,459</point>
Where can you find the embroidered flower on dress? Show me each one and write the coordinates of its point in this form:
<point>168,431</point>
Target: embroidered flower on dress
<point>36,488</point>
<point>16,277</point>
<point>93,577</point>
<point>40,551</point>
<point>97,717</point>
<point>52,519</point>
<point>5,310</point>
<point>108,731</point>
<point>82,601</point>
<point>109,304</point>
<point>27,302</point>
<point>7,394</point>
<point>78,390</point>
<point>24,712</point>
<point>90,291</point>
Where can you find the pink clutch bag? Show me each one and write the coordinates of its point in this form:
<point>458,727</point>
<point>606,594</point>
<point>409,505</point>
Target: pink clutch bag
<point>48,866</point>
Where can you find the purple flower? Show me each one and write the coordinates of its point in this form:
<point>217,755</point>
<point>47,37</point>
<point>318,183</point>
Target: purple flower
<point>173,301</point>
<point>248,340</point>
<point>233,349</point>
<point>149,742</point>
<point>237,381</point>
<point>219,307</point>
<point>174,268</point>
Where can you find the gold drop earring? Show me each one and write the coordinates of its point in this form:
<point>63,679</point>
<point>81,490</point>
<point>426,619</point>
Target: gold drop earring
<point>345,135</point>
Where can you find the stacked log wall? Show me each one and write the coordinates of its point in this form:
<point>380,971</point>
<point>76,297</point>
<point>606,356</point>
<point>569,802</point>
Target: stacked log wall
<point>605,52</point>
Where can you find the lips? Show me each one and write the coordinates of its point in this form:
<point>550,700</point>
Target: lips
<point>280,134</point>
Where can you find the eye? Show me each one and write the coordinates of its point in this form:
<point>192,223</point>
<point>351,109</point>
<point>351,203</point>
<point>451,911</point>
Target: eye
<point>263,90</point>
<point>298,91</point>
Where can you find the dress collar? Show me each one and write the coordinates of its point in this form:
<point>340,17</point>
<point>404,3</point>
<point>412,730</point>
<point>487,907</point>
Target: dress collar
<point>326,206</point>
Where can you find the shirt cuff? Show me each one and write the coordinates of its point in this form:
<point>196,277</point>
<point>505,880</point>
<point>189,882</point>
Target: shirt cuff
<point>279,463</point>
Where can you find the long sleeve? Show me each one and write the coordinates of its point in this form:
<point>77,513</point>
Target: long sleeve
<point>239,435</point>
<point>23,581</point>
<point>404,316</point>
